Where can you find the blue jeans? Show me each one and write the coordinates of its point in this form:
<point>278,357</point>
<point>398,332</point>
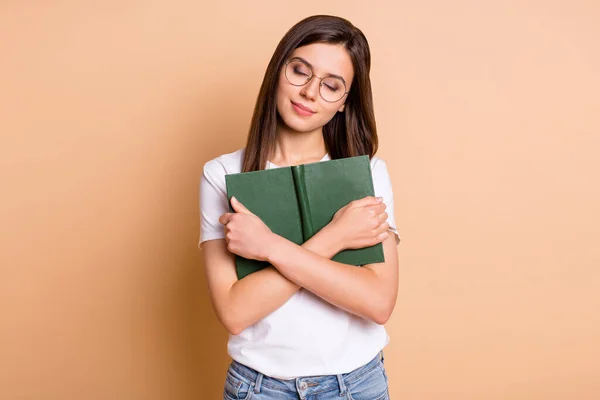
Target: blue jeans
<point>368,382</point>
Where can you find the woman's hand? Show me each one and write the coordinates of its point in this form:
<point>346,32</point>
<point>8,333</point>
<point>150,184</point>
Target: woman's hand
<point>361,223</point>
<point>246,234</point>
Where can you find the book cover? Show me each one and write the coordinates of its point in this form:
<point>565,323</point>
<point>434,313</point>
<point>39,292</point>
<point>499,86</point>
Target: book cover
<point>297,202</point>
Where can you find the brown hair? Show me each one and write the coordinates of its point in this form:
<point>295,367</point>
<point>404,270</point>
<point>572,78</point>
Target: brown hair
<point>349,133</point>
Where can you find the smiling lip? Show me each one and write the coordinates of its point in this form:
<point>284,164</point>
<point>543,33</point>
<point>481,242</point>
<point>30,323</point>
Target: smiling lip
<point>302,110</point>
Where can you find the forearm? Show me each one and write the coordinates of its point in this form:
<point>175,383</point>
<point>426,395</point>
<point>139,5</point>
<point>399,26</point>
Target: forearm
<point>360,291</point>
<point>259,294</point>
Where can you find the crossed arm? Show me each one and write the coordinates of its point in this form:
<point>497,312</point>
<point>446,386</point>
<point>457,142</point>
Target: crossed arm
<point>368,292</point>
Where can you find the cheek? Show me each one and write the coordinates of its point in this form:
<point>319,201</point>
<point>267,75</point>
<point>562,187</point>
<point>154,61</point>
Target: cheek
<point>282,88</point>
<point>328,114</point>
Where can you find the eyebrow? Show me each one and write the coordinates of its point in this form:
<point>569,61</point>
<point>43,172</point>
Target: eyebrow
<point>310,65</point>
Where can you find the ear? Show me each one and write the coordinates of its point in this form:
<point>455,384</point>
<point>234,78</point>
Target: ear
<point>341,109</point>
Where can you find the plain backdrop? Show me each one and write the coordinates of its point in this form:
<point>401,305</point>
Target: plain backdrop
<point>488,119</point>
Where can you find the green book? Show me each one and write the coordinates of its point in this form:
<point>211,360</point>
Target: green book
<point>297,202</point>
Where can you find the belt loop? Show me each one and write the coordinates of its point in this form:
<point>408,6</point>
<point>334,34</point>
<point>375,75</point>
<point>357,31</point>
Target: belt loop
<point>381,355</point>
<point>342,385</point>
<point>258,383</point>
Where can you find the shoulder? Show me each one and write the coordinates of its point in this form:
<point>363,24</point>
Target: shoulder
<point>382,185</point>
<point>381,177</point>
<point>214,171</point>
<point>378,167</point>
<point>213,193</point>
<point>230,163</point>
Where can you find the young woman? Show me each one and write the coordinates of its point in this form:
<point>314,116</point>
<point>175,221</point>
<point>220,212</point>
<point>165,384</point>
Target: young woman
<point>306,327</point>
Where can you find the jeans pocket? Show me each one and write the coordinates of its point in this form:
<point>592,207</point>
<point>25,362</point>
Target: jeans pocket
<point>237,387</point>
<point>382,367</point>
<point>371,386</point>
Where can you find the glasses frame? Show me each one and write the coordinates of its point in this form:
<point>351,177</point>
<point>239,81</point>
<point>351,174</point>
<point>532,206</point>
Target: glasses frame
<point>312,75</point>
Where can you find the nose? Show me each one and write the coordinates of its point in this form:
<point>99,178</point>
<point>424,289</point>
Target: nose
<point>311,89</point>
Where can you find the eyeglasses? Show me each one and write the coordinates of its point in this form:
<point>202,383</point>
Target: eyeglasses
<point>299,73</point>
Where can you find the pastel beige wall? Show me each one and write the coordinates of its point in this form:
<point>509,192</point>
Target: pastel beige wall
<point>488,119</point>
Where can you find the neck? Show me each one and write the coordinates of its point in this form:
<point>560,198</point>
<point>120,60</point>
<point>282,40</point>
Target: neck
<point>294,148</point>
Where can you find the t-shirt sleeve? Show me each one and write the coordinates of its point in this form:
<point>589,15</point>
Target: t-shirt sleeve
<point>383,187</point>
<point>213,201</point>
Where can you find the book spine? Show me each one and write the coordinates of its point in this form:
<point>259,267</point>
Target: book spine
<point>305,215</point>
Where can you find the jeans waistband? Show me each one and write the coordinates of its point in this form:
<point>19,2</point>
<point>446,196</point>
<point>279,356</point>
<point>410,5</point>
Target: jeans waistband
<point>291,385</point>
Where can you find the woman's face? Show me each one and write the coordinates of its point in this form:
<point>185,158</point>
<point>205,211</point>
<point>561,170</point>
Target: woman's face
<point>302,108</point>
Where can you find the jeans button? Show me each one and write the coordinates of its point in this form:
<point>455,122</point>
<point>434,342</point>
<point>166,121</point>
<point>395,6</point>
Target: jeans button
<point>303,386</point>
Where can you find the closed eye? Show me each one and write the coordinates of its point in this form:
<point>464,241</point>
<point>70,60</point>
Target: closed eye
<point>331,88</point>
<point>299,72</point>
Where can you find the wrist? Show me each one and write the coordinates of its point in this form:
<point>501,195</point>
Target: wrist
<point>271,248</point>
<point>334,239</point>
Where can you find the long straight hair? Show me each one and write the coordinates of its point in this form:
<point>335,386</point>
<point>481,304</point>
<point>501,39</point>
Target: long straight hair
<point>349,133</point>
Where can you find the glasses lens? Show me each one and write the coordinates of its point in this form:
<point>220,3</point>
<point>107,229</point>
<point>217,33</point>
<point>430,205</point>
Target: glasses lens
<point>332,89</point>
<point>297,72</point>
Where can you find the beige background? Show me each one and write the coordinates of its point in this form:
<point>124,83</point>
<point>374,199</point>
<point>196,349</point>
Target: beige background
<point>488,120</point>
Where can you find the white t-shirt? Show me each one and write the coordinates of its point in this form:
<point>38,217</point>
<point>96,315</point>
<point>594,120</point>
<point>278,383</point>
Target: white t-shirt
<point>306,336</point>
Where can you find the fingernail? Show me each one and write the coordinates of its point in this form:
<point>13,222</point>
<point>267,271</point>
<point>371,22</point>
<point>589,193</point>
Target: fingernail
<point>233,199</point>
<point>380,199</point>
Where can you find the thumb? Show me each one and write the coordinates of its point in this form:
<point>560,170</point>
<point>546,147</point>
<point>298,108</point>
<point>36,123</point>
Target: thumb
<point>239,207</point>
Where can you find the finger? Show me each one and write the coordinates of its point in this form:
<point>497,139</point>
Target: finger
<point>384,227</point>
<point>225,218</point>
<point>239,207</point>
<point>376,209</point>
<point>367,201</point>
<point>383,216</point>
<point>383,236</point>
